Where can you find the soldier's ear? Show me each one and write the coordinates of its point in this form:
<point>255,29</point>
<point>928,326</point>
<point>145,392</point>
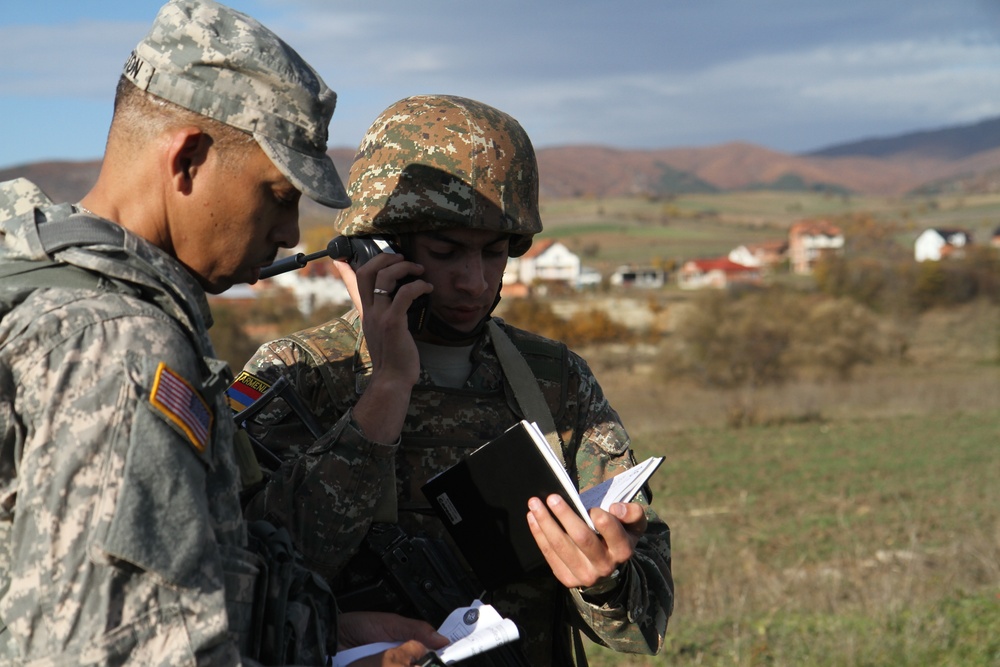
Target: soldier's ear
<point>346,272</point>
<point>187,151</point>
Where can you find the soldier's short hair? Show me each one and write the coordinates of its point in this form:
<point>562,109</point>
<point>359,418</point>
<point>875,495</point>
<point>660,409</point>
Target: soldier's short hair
<point>139,117</point>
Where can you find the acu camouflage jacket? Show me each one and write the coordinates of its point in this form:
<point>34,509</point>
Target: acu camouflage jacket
<point>120,524</point>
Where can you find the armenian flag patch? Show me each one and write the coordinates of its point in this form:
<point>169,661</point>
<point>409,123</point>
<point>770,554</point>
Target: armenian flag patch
<point>245,390</point>
<point>183,405</point>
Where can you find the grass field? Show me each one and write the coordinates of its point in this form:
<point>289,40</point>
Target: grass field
<point>857,542</point>
<point>861,526</point>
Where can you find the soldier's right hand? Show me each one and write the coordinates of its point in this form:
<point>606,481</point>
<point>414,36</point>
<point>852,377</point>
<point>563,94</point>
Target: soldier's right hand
<point>384,317</point>
<point>395,361</point>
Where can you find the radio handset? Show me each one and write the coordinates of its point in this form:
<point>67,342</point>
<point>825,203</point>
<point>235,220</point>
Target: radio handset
<point>356,250</point>
<point>362,249</point>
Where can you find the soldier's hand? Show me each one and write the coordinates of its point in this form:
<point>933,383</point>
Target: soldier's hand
<point>357,628</point>
<point>395,361</point>
<point>579,557</point>
<point>403,655</point>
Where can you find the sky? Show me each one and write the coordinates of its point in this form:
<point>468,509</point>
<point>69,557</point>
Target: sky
<point>790,75</point>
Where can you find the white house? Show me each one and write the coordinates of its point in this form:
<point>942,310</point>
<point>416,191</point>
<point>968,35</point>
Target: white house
<point>934,244</point>
<point>767,253</point>
<point>643,277</point>
<point>546,260</point>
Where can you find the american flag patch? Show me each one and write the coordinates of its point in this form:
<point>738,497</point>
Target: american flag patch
<point>183,405</point>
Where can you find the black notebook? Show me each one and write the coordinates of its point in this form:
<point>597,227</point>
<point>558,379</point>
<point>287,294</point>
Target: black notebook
<point>483,500</point>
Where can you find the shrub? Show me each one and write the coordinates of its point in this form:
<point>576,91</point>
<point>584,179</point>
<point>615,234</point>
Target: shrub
<point>899,284</point>
<point>765,337</point>
<point>590,327</point>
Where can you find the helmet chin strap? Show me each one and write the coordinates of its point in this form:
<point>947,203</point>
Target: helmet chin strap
<point>438,327</point>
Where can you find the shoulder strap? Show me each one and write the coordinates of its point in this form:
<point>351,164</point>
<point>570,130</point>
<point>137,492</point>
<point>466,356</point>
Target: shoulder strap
<point>522,382</point>
<point>58,235</point>
<point>61,234</point>
<point>39,273</point>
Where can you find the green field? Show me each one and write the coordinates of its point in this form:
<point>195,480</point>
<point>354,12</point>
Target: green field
<point>870,542</point>
<point>862,526</point>
<point>859,526</point>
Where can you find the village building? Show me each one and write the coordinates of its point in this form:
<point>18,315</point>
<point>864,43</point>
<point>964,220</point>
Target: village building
<point>760,255</point>
<point>936,244</point>
<point>546,261</point>
<point>808,240</point>
<point>638,277</point>
<point>718,273</point>
<point>314,285</point>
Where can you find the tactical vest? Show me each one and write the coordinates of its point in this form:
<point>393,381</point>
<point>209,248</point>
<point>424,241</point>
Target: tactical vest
<point>442,426</point>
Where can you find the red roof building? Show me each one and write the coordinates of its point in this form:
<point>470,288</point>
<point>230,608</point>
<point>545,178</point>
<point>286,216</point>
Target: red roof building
<point>718,273</point>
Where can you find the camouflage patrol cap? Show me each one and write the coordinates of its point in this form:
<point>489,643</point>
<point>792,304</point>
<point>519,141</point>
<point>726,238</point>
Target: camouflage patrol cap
<point>434,162</point>
<point>223,64</point>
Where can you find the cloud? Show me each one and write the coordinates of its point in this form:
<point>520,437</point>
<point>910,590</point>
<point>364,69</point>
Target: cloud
<point>933,81</point>
<point>644,73</point>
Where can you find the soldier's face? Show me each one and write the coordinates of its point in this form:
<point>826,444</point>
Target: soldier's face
<point>240,214</point>
<point>466,267</point>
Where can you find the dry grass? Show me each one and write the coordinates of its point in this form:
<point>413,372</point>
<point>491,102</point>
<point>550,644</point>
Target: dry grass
<point>854,523</point>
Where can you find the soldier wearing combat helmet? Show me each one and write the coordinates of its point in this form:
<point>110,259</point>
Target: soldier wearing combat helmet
<point>454,184</point>
<point>444,163</point>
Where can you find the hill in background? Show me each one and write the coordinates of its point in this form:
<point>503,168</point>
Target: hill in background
<point>951,143</point>
<point>956,159</point>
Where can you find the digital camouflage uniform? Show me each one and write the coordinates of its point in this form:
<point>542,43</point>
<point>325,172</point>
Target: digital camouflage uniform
<point>334,484</point>
<point>120,521</point>
<point>122,539</point>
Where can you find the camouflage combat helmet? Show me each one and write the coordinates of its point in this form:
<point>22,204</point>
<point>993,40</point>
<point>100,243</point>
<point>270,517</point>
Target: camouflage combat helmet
<point>438,162</point>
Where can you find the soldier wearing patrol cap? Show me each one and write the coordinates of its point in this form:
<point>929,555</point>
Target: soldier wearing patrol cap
<point>121,534</point>
<point>453,184</point>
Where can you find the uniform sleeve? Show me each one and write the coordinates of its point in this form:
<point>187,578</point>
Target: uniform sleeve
<point>633,617</point>
<point>111,553</point>
<point>327,489</point>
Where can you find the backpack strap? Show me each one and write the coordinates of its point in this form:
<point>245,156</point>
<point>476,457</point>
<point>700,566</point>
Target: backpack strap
<point>39,273</point>
<point>58,235</point>
<point>61,234</point>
